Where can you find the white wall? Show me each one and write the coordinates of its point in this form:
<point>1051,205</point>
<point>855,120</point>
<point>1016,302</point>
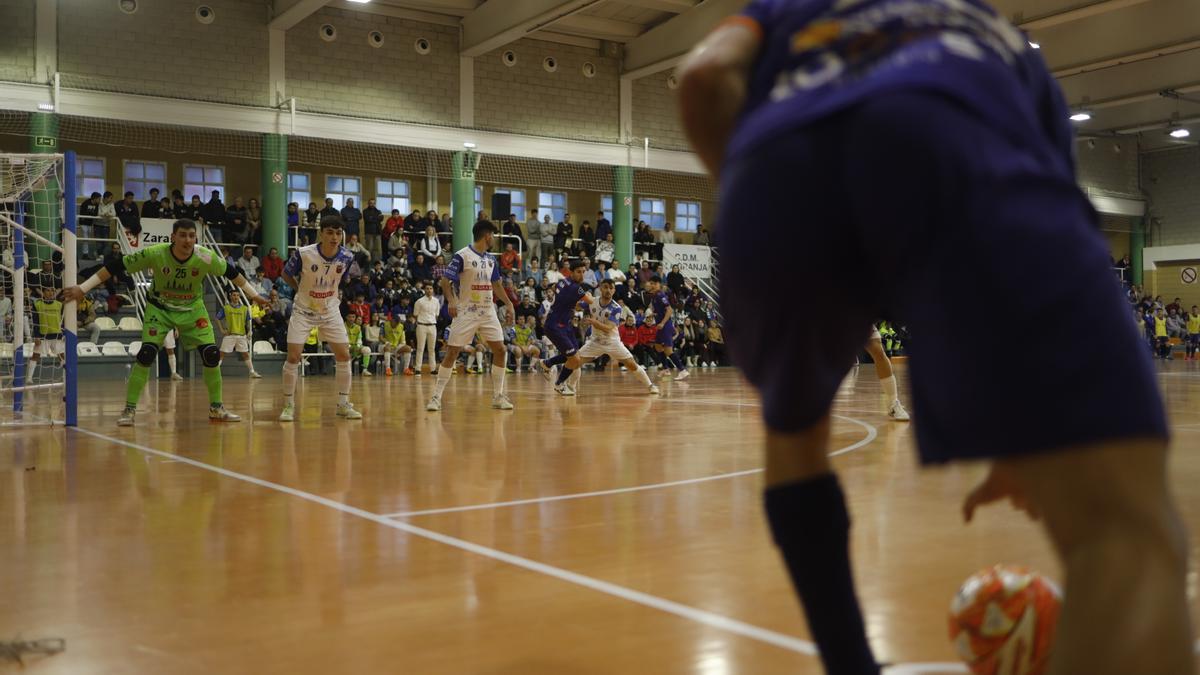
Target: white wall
<point>1172,181</point>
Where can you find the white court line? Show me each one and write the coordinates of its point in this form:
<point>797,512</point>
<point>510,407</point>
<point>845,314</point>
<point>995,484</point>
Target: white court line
<point>872,433</point>
<point>710,619</point>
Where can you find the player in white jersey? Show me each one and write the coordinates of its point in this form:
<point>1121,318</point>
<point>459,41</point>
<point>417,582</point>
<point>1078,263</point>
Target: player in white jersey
<point>470,283</point>
<point>315,272</point>
<point>883,369</point>
<point>604,316</point>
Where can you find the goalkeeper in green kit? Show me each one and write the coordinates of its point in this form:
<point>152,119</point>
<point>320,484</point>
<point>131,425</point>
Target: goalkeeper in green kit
<point>175,300</point>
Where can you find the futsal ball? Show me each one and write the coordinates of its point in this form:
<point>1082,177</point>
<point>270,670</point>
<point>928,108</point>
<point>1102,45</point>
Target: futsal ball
<point>1002,621</point>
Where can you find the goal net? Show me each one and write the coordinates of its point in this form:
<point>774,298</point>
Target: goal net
<point>38,345</point>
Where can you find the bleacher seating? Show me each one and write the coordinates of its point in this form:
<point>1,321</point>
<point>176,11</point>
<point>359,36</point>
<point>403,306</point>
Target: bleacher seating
<point>113,348</point>
<point>87,349</point>
<point>263,347</point>
<point>130,323</point>
<point>105,323</point>
<point>134,347</point>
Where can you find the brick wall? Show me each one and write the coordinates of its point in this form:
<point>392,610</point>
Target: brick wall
<point>348,76</point>
<point>16,48</point>
<point>655,113</point>
<point>524,98</point>
<point>162,50</point>
<point>1103,168</point>
<point>1172,181</point>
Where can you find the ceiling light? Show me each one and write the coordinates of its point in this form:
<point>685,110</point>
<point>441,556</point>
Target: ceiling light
<point>47,107</point>
<point>469,145</point>
<point>1081,116</point>
<point>1180,133</point>
<point>1035,45</point>
<point>361,2</point>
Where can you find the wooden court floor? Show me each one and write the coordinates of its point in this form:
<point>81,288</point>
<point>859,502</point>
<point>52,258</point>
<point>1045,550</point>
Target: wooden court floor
<point>610,533</point>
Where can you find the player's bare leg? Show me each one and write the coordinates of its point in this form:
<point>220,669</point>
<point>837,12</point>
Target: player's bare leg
<point>887,380</point>
<point>445,371</point>
<point>173,362</point>
<point>500,399</point>
<point>341,358</point>
<point>807,512</point>
<point>1124,549</point>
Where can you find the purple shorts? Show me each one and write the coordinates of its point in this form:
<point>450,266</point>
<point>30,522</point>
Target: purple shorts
<point>914,211</point>
<point>563,338</point>
<point>666,335</point>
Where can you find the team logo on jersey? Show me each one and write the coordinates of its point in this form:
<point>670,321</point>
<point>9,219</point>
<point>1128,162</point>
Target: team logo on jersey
<point>153,332</point>
<point>195,273</point>
<point>338,269</point>
<point>474,263</point>
<point>202,323</point>
<point>166,270</point>
<point>314,267</point>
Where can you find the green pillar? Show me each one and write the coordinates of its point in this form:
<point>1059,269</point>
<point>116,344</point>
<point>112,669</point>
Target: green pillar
<point>47,220</point>
<point>623,214</point>
<point>274,192</point>
<point>1137,242</point>
<point>462,198</point>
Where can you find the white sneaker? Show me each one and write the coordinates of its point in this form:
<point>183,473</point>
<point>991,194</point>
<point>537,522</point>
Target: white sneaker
<point>683,375</point>
<point>435,404</point>
<point>897,412</point>
<point>564,389</point>
<point>220,414</point>
<point>176,377</point>
<point>254,374</point>
<point>501,402</point>
<point>367,373</point>
<point>126,418</point>
<point>347,410</point>
<point>653,391</point>
<point>288,414</point>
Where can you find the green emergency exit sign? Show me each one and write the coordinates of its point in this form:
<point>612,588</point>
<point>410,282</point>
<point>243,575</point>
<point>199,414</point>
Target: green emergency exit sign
<point>44,141</point>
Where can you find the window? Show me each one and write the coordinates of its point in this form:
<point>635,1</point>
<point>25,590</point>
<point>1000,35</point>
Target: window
<point>299,189</point>
<point>653,211</point>
<point>341,188</point>
<point>89,176</point>
<point>141,176</point>
<point>553,203</point>
<point>393,194</point>
<point>202,180</point>
<point>478,200</point>
<point>687,216</point>
<point>517,206</point>
<point>606,207</point>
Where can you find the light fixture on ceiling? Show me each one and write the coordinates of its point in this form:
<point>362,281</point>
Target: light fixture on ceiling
<point>469,145</point>
<point>1034,45</point>
<point>361,2</point>
<point>1081,116</point>
<point>46,107</point>
<point>1179,133</point>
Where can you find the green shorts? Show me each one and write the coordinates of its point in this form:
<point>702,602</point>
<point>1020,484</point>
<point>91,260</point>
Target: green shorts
<point>195,329</point>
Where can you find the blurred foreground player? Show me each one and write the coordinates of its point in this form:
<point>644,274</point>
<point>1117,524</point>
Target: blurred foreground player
<point>927,141</point>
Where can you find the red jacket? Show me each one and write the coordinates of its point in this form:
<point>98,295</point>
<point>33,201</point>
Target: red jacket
<point>629,335</point>
<point>363,310</point>
<point>647,335</point>
<point>272,267</point>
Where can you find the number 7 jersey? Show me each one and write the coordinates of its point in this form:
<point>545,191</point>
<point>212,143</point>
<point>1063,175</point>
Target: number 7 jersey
<point>319,277</point>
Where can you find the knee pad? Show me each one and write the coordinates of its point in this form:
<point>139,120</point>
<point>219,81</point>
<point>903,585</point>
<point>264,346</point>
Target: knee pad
<point>210,356</point>
<point>147,354</point>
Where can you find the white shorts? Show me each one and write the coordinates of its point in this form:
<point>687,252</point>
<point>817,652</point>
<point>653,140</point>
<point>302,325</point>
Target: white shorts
<point>330,328</point>
<point>232,343</point>
<point>169,340</point>
<point>465,326</point>
<point>54,347</point>
<point>596,348</point>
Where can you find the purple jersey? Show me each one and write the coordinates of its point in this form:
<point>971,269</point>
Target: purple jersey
<point>819,57</point>
<point>567,295</point>
<point>660,303</point>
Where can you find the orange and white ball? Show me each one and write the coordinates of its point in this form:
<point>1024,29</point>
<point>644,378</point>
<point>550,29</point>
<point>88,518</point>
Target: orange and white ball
<point>1002,621</point>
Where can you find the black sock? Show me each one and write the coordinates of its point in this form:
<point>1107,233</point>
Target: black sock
<point>811,527</point>
<point>563,375</point>
<point>554,361</point>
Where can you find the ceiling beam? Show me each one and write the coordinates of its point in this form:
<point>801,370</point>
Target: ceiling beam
<point>1141,97</point>
<point>665,45</point>
<point>453,7</point>
<point>287,16</point>
<point>1126,59</point>
<point>592,26</point>
<point>496,24</point>
<point>1082,12</point>
<point>398,12</point>
<point>673,6</point>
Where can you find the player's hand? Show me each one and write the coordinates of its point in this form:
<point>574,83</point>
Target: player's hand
<point>452,310</point>
<point>71,294</point>
<point>262,301</point>
<point>1000,483</point>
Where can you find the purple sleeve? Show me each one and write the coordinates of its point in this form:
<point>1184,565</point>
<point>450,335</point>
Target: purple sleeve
<point>292,268</point>
<point>347,260</point>
<point>495,268</point>
<point>455,268</point>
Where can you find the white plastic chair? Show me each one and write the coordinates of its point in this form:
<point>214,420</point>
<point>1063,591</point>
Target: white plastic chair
<point>263,347</point>
<point>113,348</point>
<point>130,323</point>
<point>87,349</point>
<point>6,350</point>
<point>135,347</point>
<point>106,323</point>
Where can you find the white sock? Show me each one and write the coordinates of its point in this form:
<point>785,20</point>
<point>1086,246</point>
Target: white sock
<point>291,372</point>
<point>443,379</point>
<point>642,376</point>
<point>405,359</point>
<point>387,360</point>
<point>498,373</point>
<point>342,379</point>
<point>889,388</point>
<point>171,360</point>
<point>249,365</point>
<point>573,380</point>
<point>32,367</point>
<point>479,359</point>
